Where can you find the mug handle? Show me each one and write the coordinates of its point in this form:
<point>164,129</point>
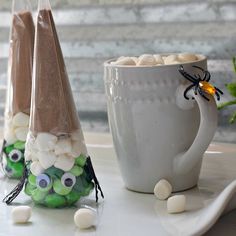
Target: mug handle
<point>185,162</point>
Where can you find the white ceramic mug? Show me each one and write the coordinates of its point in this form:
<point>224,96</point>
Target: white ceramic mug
<point>157,133</point>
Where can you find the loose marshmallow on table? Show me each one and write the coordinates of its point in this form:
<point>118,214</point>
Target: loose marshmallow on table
<point>21,133</point>
<point>163,189</point>
<point>46,159</point>
<point>85,218</point>
<point>176,204</point>
<point>45,141</point>
<point>21,120</point>
<point>125,61</point>
<point>64,162</point>
<point>63,146</point>
<point>187,57</point>
<point>21,214</point>
<point>36,168</point>
<point>146,60</point>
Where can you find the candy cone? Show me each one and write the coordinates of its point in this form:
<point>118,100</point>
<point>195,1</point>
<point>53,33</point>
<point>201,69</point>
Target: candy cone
<point>19,88</point>
<point>59,170</point>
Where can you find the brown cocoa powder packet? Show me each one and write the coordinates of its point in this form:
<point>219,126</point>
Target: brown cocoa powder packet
<point>20,62</point>
<point>53,109</point>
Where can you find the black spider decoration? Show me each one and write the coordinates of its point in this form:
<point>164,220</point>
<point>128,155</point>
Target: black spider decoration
<point>200,85</point>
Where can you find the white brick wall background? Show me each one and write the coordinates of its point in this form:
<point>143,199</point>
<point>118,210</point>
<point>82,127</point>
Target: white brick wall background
<point>92,31</point>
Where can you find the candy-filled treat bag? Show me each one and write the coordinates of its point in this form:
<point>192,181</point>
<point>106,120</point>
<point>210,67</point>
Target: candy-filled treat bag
<point>59,171</point>
<point>19,89</point>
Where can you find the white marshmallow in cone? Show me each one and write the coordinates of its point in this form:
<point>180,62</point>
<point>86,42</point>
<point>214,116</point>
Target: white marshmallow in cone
<point>21,133</point>
<point>46,159</point>
<point>163,189</point>
<point>36,168</point>
<point>21,214</point>
<point>9,136</point>
<point>85,218</point>
<point>63,146</point>
<point>176,204</point>
<point>45,142</point>
<point>21,120</point>
<point>146,60</point>
<point>76,149</point>
<point>64,162</point>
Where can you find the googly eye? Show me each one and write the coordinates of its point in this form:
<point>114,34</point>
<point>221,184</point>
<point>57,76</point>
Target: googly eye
<point>43,181</point>
<point>15,155</point>
<point>68,180</point>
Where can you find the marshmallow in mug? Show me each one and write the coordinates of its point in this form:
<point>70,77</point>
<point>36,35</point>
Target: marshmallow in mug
<point>156,59</point>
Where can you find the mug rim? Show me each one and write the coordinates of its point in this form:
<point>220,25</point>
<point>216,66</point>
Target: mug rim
<point>201,58</point>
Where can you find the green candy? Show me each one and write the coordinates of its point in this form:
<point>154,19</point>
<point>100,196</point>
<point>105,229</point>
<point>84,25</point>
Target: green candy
<point>54,201</point>
<point>88,189</point>
<point>81,160</point>
<point>32,179</point>
<point>76,171</point>
<point>38,195</point>
<point>54,172</point>
<point>19,145</point>
<point>29,189</point>
<point>17,169</point>
<point>72,197</point>
<point>60,189</point>
<point>8,149</point>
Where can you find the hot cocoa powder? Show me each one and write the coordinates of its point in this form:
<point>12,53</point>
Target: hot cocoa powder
<point>53,108</point>
<point>21,62</point>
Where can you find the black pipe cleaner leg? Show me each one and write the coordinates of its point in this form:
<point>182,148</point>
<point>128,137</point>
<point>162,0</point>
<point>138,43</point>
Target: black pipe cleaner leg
<point>94,178</point>
<point>16,191</point>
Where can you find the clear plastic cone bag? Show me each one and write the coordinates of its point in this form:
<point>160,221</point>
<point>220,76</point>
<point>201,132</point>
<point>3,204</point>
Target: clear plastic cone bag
<point>59,169</point>
<point>20,67</point>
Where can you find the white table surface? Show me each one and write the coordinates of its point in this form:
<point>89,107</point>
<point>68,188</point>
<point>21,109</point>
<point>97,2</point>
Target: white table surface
<point>122,213</point>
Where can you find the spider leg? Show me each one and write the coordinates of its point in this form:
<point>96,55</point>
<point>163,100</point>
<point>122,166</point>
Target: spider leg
<point>186,75</point>
<point>187,89</point>
<point>195,90</point>
<point>218,90</point>
<point>206,74</point>
<point>217,96</point>
<point>202,94</point>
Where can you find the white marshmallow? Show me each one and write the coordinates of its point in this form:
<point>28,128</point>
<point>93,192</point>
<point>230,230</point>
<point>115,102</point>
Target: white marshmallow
<point>21,214</point>
<point>163,189</point>
<point>46,159</point>
<point>21,133</point>
<point>64,162</point>
<point>135,59</point>
<point>9,136</point>
<point>77,135</point>
<point>45,141</point>
<point>85,218</point>
<point>21,120</point>
<point>187,57</point>
<point>76,149</point>
<point>159,59</point>
<point>36,168</point>
<point>128,61</point>
<point>171,59</point>
<point>176,204</point>
<point>146,60</point>
<point>63,146</point>
<point>27,155</point>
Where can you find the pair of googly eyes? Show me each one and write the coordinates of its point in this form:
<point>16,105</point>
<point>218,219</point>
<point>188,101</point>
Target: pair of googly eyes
<point>43,181</point>
<point>15,155</point>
